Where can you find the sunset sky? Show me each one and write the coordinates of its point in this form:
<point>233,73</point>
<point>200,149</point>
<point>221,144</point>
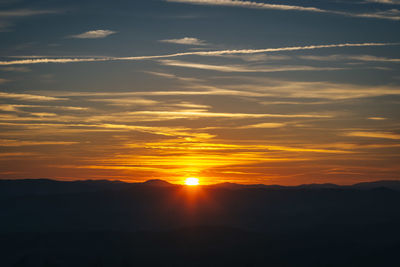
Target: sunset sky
<point>273,92</point>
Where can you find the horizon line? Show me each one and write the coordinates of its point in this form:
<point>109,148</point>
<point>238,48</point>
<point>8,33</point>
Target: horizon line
<point>182,184</point>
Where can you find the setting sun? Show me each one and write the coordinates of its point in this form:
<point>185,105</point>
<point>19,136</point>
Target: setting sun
<point>191,181</point>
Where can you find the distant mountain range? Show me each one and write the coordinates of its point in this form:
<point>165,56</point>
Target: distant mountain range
<point>48,186</point>
<point>155,223</point>
<point>390,184</point>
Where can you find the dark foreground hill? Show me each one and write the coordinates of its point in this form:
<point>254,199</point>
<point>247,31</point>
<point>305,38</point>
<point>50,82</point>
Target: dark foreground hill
<point>103,223</point>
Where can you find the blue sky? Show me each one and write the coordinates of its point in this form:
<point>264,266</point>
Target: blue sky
<point>282,92</point>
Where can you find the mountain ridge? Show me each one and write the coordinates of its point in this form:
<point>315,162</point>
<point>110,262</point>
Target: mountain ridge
<point>49,186</point>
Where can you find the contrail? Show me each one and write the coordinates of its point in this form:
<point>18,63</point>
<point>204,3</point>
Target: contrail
<point>197,53</point>
<point>391,14</point>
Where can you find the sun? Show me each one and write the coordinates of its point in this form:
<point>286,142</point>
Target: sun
<point>192,181</point>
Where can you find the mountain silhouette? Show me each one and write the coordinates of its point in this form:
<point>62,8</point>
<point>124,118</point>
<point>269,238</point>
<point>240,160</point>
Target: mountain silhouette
<point>157,182</point>
<point>155,223</point>
<point>48,186</point>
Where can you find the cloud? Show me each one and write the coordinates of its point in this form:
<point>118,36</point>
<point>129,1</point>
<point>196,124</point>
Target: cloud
<point>8,108</point>
<point>16,69</point>
<point>255,148</point>
<point>259,88</point>
<point>324,58</point>
<point>52,60</point>
<point>5,25</point>
<point>29,97</point>
<point>265,125</point>
<point>383,135</point>
<point>173,76</point>
<point>205,114</point>
<point>294,102</point>
<point>338,91</point>
<point>196,53</point>
<point>127,101</point>
<point>375,59</point>
<point>24,13</point>
<point>317,90</point>
<point>259,57</point>
<point>366,58</point>
<point>166,131</point>
<point>75,124</point>
<point>96,34</point>
<point>247,4</point>
<point>8,16</point>
<point>298,149</point>
<point>185,41</point>
<point>238,68</point>
<point>18,107</point>
<point>17,154</point>
<point>191,105</point>
<point>208,91</point>
<point>392,2</point>
<point>16,143</point>
<point>377,118</point>
<point>392,14</point>
<point>353,146</point>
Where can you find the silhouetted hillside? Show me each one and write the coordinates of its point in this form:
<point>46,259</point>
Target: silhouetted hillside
<point>394,185</point>
<point>103,223</point>
<point>47,186</point>
<point>157,182</point>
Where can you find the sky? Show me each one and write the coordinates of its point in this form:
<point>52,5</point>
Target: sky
<point>272,92</point>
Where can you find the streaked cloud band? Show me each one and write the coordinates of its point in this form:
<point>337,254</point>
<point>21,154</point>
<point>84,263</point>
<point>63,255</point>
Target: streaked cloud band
<point>391,14</point>
<point>29,61</point>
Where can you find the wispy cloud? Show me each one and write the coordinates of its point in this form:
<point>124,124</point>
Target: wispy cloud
<point>196,53</point>
<point>377,118</point>
<point>367,58</point>
<point>25,12</point>
<point>7,17</point>
<point>205,114</point>
<point>392,14</point>
<point>383,135</point>
<point>52,60</point>
<point>259,57</point>
<point>95,34</point>
<point>266,125</point>
<point>17,154</point>
<point>75,125</point>
<point>29,97</point>
<point>239,68</point>
<point>16,143</point>
<point>257,88</point>
<point>248,4</point>
<point>19,107</point>
<point>16,69</point>
<point>375,59</point>
<point>317,90</point>
<point>185,41</point>
<point>205,91</point>
<point>392,2</point>
<point>190,105</point>
<point>187,145</point>
<point>324,58</point>
<point>173,76</point>
<point>127,101</point>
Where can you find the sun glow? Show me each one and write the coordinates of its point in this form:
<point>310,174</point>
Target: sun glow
<point>192,181</point>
